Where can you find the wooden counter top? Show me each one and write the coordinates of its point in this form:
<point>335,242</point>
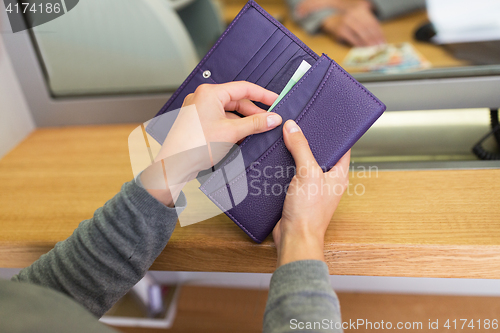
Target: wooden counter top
<point>407,223</point>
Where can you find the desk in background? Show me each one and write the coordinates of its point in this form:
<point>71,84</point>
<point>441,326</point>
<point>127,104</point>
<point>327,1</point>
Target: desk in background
<point>451,84</point>
<point>398,30</point>
<point>407,223</point>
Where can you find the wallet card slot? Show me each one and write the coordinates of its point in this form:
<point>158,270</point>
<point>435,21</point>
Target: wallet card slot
<point>287,32</point>
<point>281,47</point>
<point>278,81</point>
<point>277,66</point>
<point>260,55</point>
<point>253,147</point>
<point>337,114</point>
<point>256,30</point>
<point>290,53</point>
<point>288,108</point>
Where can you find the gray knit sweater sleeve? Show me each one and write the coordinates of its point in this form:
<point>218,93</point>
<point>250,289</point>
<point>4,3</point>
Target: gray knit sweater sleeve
<point>109,253</point>
<point>302,299</point>
<point>310,23</point>
<point>387,9</point>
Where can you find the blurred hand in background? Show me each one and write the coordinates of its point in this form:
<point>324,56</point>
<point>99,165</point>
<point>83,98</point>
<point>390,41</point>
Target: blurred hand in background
<point>353,22</point>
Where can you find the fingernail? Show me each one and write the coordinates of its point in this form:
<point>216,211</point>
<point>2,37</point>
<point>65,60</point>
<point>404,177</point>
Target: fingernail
<point>273,120</point>
<point>292,127</point>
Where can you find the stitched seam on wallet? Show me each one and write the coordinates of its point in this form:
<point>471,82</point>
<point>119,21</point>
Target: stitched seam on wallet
<point>234,219</point>
<point>212,80</point>
<point>279,70</point>
<point>275,59</point>
<point>269,151</point>
<point>356,82</point>
<point>306,109</point>
<point>332,66</point>
<point>295,87</point>
<point>257,52</point>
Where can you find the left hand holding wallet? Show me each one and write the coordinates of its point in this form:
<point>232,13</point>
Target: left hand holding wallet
<point>311,200</point>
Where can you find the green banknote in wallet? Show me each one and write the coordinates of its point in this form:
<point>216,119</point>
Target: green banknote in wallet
<point>303,68</point>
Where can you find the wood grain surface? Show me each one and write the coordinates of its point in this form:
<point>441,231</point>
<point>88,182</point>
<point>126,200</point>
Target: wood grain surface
<point>406,223</point>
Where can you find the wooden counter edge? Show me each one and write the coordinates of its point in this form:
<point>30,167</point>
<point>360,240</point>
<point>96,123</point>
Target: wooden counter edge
<point>405,260</point>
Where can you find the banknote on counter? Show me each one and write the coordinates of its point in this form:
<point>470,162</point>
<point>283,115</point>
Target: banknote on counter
<point>387,58</point>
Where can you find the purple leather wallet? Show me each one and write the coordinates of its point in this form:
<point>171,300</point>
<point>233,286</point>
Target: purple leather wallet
<point>332,109</point>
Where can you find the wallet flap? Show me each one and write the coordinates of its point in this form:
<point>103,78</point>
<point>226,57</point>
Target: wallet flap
<point>337,114</point>
<point>254,146</point>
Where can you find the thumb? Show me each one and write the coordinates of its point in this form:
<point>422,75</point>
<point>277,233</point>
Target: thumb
<point>256,123</point>
<point>298,146</point>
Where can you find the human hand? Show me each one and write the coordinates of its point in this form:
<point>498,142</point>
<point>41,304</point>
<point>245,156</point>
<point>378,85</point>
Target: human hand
<point>311,200</point>
<point>307,7</point>
<point>203,133</point>
<point>356,25</point>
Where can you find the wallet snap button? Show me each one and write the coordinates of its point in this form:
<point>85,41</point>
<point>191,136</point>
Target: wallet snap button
<point>206,74</point>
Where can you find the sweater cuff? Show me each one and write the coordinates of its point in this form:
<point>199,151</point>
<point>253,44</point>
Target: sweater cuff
<point>387,9</point>
<point>299,276</point>
<point>147,204</point>
<point>312,23</point>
